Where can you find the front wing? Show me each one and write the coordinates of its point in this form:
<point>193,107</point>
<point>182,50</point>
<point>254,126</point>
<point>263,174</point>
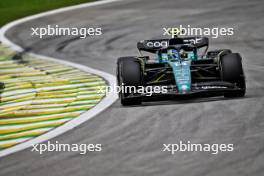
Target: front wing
<point>200,89</point>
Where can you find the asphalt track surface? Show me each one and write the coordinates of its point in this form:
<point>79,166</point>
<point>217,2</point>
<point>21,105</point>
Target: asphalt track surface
<point>133,137</point>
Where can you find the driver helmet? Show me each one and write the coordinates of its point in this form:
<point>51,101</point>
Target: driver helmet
<point>183,54</point>
<point>173,54</point>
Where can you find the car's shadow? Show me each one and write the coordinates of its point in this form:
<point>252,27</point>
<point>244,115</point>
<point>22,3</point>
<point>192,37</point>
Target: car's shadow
<point>252,93</point>
<point>187,101</point>
<point>183,101</point>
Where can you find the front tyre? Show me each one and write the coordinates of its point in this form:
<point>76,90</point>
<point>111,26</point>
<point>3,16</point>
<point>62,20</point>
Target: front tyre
<point>129,73</point>
<point>231,70</point>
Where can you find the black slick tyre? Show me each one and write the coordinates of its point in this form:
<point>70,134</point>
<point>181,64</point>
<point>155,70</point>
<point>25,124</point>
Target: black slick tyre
<point>129,73</point>
<point>231,70</point>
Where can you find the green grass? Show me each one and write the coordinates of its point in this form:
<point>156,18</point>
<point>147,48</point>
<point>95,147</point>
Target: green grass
<point>14,9</point>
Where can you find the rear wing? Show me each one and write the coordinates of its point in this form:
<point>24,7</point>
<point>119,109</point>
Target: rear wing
<point>153,46</point>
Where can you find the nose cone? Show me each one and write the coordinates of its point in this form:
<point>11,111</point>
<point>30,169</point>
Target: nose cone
<point>182,75</point>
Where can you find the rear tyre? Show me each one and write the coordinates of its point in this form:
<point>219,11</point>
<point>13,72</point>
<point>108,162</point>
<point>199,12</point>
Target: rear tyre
<point>232,71</point>
<point>129,73</point>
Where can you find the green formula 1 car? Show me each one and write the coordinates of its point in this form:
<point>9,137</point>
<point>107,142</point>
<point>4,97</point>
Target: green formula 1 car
<point>179,67</point>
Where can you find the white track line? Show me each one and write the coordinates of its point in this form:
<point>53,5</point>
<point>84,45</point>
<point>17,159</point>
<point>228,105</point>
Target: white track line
<point>106,102</point>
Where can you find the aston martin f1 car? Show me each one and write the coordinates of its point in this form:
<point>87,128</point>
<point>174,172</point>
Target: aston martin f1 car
<point>184,66</point>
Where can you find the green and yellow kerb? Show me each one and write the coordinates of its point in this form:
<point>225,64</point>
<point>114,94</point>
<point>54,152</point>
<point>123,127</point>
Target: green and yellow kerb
<point>37,96</point>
